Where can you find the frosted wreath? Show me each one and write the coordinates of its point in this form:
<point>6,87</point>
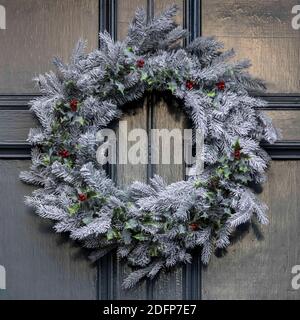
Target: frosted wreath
<point>153,226</point>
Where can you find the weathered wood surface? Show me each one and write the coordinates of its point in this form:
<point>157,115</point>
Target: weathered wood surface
<point>261,269</point>
<point>126,11</point>
<point>36,32</point>
<point>39,263</point>
<point>168,116</point>
<point>126,174</point>
<point>261,31</point>
<point>288,122</point>
<point>15,124</point>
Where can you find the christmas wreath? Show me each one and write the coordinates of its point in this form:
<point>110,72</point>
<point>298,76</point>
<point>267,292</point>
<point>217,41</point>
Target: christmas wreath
<point>153,226</point>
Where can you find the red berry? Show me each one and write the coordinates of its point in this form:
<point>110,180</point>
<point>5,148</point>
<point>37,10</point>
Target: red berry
<point>194,226</point>
<point>189,84</point>
<point>221,85</point>
<point>140,63</point>
<point>82,197</point>
<point>64,153</point>
<point>74,105</point>
<point>237,154</point>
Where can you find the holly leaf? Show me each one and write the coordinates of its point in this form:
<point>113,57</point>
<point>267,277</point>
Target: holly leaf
<point>74,209</point>
<point>198,184</point>
<point>46,160</point>
<point>131,224</point>
<point>209,195</point>
<point>113,234</point>
<point>153,252</point>
<point>227,211</point>
<point>79,120</point>
<point>211,94</point>
<point>204,215</point>
<point>87,220</point>
<point>126,237</point>
<point>172,86</point>
<point>129,52</point>
<point>181,229</point>
<point>110,235</point>
<point>243,169</point>
<point>69,163</point>
<point>120,87</point>
<point>140,237</point>
<point>144,76</point>
<point>237,145</point>
<point>226,172</point>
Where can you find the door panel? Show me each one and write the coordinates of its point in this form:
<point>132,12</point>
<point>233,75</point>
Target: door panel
<point>262,32</point>
<point>126,11</point>
<point>288,122</point>
<point>14,125</point>
<point>124,175</point>
<point>168,116</point>
<point>160,5</point>
<point>36,32</point>
<point>261,269</point>
<point>39,263</point>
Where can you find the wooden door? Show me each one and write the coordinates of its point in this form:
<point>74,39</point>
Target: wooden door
<point>40,264</point>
